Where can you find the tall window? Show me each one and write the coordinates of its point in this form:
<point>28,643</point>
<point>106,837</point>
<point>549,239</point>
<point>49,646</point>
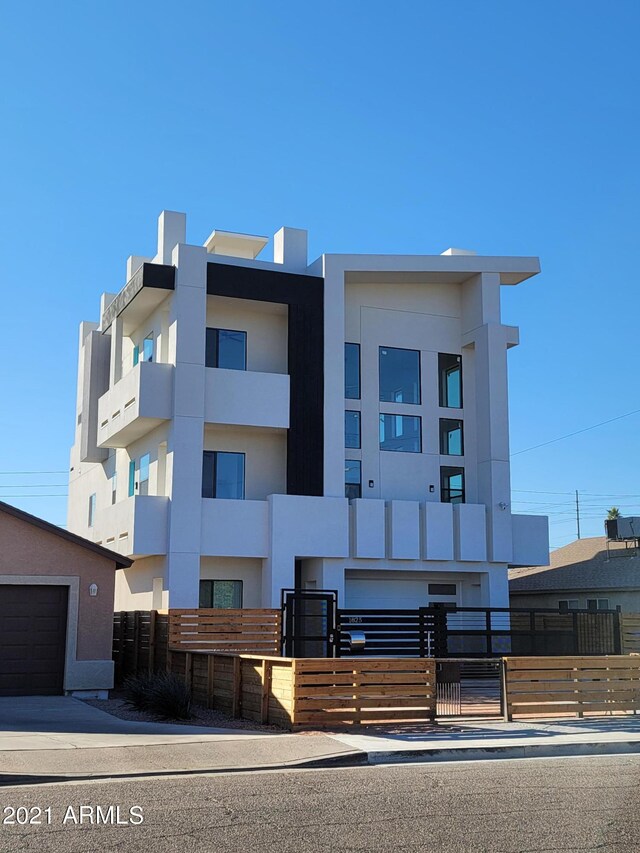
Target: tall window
<point>225,595</point>
<point>451,442</point>
<point>352,478</point>
<point>223,475</point>
<point>399,375</point>
<point>352,371</point>
<point>226,348</point>
<point>401,432</point>
<point>352,429</point>
<point>143,475</point>
<point>147,348</point>
<point>114,484</point>
<point>92,510</point>
<point>450,370</point>
<point>452,485</point>
<point>132,478</point>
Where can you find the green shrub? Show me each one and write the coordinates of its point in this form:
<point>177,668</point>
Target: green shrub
<point>162,694</point>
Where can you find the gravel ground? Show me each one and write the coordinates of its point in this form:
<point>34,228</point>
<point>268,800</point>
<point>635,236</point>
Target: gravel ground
<point>117,706</point>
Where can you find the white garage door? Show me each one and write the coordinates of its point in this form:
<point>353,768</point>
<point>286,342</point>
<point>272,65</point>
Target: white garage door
<point>392,594</point>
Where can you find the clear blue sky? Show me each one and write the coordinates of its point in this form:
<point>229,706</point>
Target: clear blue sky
<point>508,128</point>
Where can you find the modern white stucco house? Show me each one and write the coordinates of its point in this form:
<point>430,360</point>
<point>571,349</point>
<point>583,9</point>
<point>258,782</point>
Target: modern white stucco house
<point>226,405</point>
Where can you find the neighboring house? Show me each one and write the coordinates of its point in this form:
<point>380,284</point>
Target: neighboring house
<point>244,426</point>
<point>583,574</point>
<point>56,609</point>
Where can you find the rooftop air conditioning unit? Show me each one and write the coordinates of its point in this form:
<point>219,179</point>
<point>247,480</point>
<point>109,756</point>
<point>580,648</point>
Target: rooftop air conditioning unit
<point>623,528</point>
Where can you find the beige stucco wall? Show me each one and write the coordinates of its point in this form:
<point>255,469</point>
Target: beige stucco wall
<point>30,553</point>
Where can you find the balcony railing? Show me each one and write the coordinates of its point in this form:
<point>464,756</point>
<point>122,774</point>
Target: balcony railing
<point>136,404</point>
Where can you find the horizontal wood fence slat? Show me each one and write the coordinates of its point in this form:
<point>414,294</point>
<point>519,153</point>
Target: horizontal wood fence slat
<point>630,632</point>
<point>255,631</point>
<point>571,685</point>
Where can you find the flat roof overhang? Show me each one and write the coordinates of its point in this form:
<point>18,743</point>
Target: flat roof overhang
<point>417,269</point>
<point>144,291</point>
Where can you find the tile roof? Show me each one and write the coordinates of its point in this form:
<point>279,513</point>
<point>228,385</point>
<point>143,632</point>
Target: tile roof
<point>581,565</point>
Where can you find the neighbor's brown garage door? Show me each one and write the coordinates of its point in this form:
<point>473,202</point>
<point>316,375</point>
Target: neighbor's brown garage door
<point>33,628</point>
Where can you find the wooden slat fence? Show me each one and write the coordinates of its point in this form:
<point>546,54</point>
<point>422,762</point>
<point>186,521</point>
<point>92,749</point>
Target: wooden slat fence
<point>630,631</point>
<point>247,630</point>
<point>571,685</point>
<point>364,690</point>
<point>139,642</point>
<point>309,692</point>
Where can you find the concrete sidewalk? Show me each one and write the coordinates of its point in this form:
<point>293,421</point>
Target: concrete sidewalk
<point>483,739</point>
<point>62,739</point>
<point>58,738</point>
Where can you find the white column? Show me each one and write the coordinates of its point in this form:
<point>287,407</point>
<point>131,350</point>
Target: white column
<point>186,435</point>
<point>290,249</point>
<point>483,332</point>
<point>333,378</point>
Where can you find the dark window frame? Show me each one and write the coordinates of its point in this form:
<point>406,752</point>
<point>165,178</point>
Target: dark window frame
<point>443,398</point>
<point>357,446</point>
<point>210,465</point>
<point>446,490</point>
<point>401,402</point>
<point>359,395</point>
<point>214,349</point>
<point>443,451</point>
<point>351,487</point>
<point>213,582</point>
<point>393,449</point>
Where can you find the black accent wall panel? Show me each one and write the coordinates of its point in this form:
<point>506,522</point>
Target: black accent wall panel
<point>304,296</point>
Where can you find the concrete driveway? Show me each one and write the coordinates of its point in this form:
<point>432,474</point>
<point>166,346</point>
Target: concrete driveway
<point>61,722</point>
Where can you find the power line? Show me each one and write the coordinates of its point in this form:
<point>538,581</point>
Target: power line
<point>60,495</point>
<point>34,472</point>
<point>577,432</point>
<point>33,485</point>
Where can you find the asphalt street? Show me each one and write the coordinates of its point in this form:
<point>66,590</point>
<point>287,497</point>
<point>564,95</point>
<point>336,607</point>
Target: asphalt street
<point>569,804</point>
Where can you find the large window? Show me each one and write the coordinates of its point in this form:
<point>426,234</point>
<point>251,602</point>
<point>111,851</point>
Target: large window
<point>452,485</point>
<point>352,371</point>
<point>568,604</point>
<point>352,478</point>
<point>225,595</point>
<point>451,442</point>
<point>223,475</point>
<point>401,432</point>
<point>450,370</point>
<point>352,429</point>
<point>399,375</point>
<point>226,348</point>
<point>114,487</point>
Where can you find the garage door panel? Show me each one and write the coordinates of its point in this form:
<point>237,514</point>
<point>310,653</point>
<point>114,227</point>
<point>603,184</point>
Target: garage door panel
<point>33,621</point>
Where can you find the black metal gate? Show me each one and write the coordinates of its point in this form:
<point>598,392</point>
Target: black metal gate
<point>309,623</point>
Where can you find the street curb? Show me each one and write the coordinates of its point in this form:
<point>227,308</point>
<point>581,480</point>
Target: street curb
<point>487,753</point>
<point>354,758</point>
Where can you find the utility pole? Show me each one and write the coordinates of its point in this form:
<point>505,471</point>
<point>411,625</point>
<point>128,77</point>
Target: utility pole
<point>578,513</point>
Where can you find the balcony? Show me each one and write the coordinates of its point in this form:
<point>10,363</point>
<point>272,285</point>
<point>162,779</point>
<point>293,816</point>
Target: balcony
<point>136,404</point>
<point>135,527</point>
<point>246,398</point>
<point>235,528</point>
